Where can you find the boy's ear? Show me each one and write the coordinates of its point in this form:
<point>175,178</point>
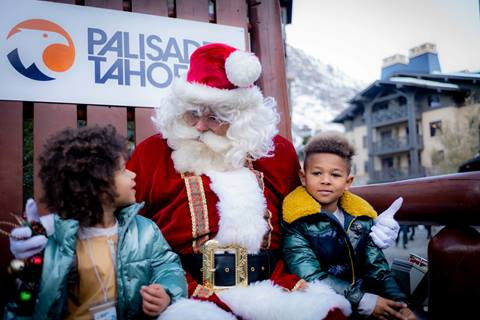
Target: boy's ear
<point>301,174</point>
<point>349,182</point>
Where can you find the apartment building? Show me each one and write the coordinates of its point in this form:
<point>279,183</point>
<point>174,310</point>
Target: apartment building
<point>396,121</point>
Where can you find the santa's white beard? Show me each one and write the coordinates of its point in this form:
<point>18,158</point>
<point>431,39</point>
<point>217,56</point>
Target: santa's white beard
<point>199,152</point>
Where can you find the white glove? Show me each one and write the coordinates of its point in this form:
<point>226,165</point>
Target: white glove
<point>22,249</point>
<point>385,231</point>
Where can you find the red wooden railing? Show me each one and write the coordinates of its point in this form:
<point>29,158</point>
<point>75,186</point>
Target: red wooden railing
<point>454,253</point>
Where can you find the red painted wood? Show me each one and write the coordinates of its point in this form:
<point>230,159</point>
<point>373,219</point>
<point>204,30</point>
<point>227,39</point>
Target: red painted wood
<point>11,180</point>
<point>48,119</point>
<point>267,43</point>
<point>192,10</point>
<point>144,127</point>
<point>155,7</point>
<point>116,116</point>
<point>63,1</point>
<point>108,4</point>
<point>233,13</point>
<point>448,199</point>
<point>11,161</point>
<point>453,277</point>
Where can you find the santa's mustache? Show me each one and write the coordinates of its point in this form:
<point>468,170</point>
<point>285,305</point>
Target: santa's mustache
<point>182,133</point>
<point>216,143</point>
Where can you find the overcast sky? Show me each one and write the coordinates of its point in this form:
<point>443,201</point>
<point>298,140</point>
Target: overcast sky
<point>355,35</point>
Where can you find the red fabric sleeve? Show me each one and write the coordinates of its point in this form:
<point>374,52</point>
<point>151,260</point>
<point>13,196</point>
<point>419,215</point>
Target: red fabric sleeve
<point>335,314</point>
<point>281,276</point>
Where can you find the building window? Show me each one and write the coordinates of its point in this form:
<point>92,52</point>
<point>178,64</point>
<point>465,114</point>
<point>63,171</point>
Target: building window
<point>435,128</point>
<point>364,142</point>
<point>387,163</point>
<point>365,166</point>
<point>434,101</point>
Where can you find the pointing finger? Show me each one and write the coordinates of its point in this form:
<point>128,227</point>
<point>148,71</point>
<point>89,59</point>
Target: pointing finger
<point>394,207</point>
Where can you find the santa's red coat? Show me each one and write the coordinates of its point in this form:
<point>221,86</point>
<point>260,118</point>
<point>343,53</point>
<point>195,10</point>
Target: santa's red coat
<point>166,199</point>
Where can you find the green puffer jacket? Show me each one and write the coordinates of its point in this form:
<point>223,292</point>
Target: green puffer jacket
<point>143,257</point>
<point>317,247</point>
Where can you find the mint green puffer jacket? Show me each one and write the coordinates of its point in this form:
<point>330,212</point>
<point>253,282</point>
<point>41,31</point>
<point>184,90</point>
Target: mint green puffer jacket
<point>143,258</point>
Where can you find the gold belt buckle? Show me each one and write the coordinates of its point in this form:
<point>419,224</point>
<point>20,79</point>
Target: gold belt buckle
<point>208,264</point>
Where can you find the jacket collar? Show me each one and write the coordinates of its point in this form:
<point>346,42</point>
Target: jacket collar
<point>126,214</point>
<point>299,203</point>
<point>67,229</point>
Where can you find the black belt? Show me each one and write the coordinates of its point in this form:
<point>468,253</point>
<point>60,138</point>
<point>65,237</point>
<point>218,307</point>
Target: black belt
<point>260,267</point>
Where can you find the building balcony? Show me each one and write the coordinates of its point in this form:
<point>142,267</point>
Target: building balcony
<point>395,174</point>
<point>389,116</point>
<point>391,145</point>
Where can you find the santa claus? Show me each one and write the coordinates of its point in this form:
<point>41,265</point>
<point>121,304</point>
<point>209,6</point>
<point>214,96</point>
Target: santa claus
<point>213,180</point>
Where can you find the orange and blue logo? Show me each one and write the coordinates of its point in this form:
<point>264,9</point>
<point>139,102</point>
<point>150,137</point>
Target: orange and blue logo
<point>54,44</point>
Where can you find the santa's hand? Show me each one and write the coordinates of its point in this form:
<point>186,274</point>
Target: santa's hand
<point>385,230</point>
<point>22,244</point>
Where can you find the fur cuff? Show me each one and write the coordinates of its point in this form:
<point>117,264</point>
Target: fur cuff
<point>195,310</point>
<point>265,300</point>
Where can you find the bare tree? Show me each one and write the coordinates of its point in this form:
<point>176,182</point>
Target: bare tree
<point>461,142</point>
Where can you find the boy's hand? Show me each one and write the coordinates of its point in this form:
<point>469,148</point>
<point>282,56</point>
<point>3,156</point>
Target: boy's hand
<point>155,299</point>
<point>385,230</point>
<point>387,309</point>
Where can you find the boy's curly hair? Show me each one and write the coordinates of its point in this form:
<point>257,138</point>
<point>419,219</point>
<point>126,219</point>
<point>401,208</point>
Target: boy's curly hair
<point>77,171</point>
<point>330,142</point>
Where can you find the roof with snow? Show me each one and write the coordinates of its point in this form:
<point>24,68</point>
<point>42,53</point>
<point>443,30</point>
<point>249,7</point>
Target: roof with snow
<point>452,82</point>
<point>453,76</point>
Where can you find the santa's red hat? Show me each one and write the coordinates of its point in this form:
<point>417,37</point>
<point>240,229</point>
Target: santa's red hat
<point>220,76</point>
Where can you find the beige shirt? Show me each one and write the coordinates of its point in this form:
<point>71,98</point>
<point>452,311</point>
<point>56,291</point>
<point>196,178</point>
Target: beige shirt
<point>88,290</point>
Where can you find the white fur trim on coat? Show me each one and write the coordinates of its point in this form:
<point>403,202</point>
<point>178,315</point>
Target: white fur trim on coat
<point>195,310</point>
<point>200,94</point>
<point>241,207</point>
<point>264,300</point>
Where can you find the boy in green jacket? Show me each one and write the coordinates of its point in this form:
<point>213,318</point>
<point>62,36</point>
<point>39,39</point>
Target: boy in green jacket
<point>103,261</point>
<point>327,230</point>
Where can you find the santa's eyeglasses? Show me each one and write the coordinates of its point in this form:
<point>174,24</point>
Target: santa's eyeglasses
<point>193,117</point>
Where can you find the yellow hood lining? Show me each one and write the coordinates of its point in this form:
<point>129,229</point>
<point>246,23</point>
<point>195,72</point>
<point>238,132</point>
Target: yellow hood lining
<point>299,203</point>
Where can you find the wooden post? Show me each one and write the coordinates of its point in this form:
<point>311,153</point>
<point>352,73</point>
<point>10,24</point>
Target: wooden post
<point>102,115</point>
<point>11,162</point>
<point>267,43</point>
<point>48,119</point>
<point>11,181</point>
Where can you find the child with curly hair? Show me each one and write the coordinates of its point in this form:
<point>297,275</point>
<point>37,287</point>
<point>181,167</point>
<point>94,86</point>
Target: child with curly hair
<point>103,261</point>
<point>327,233</point>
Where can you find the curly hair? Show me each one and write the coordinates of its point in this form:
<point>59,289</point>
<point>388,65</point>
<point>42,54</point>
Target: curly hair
<point>77,171</point>
<point>330,143</point>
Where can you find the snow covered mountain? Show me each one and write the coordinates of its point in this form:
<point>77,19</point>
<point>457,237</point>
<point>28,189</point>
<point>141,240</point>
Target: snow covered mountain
<point>318,92</point>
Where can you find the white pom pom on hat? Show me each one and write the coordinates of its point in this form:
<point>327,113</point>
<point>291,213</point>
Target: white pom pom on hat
<point>242,68</point>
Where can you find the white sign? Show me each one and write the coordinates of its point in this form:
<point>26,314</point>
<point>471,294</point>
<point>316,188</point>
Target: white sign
<point>55,52</point>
